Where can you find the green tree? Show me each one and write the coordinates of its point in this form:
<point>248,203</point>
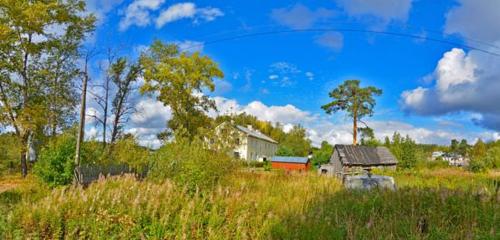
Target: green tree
<point>323,154</point>
<point>358,102</point>
<point>36,65</point>
<point>479,149</point>
<point>178,80</point>
<point>295,143</point>
<point>122,76</point>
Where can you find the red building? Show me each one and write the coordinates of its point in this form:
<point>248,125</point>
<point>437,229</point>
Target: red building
<point>291,163</point>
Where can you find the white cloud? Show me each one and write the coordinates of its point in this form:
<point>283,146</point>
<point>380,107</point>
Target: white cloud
<point>300,16</point>
<point>91,114</point>
<point>100,8</point>
<point>187,10</point>
<point>151,112</point>
<point>176,12</point>
<point>139,13</point>
<point>467,82</point>
<point>331,40</point>
<point>320,129</point>
<point>475,19</point>
<point>284,73</point>
<point>273,77</point>
<point>384,10</point>
<point>310,75</point>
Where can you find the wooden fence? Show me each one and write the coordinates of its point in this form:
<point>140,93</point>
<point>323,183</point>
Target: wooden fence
<point>87,174</point>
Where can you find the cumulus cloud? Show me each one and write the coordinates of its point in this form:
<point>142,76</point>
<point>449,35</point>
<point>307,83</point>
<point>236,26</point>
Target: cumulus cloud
<point>475,19</point>
<point>187,10</point>
<point>331,40</point>
<point>139,13</point>
<point>320,128</point>
<point>385,10</point>
<point>300,16</point>
<point>467,82</point>
<point>149,119</point>
<point>142,13</point>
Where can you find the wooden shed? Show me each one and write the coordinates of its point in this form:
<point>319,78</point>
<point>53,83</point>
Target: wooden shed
<point>291,163</point>
<point>351,159</point>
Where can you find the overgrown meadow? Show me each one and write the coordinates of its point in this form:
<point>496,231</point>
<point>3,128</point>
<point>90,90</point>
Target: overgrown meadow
<point>255,204</point>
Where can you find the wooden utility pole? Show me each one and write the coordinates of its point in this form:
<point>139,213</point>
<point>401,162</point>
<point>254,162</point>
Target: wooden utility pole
<point>81,127</point>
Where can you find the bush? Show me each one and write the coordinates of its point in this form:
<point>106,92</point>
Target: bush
<point>127,151</point>
<point>477,165</point>
<point>190,165</point>
<point>56,161</point>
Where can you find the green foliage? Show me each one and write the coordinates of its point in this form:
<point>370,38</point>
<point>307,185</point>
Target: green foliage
<point>9,152</point>
<point>322,155</point>
<point>405,150</point>
<point>358,102</point>
<point>127,151</point>
<point>191,165</point>
<point>176,77</point>
<point>56,161</point>
<point>261,205</point>
<point>295,143</point>
<point>461,147</point>
<point>490,160</point>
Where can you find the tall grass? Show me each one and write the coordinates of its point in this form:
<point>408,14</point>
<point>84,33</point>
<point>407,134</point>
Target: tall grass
<point>259,205</point>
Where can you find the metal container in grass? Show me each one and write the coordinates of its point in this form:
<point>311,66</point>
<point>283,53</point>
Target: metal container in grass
<point>369,181</point>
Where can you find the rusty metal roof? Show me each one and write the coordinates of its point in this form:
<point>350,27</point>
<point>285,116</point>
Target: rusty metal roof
<point>364,155</point>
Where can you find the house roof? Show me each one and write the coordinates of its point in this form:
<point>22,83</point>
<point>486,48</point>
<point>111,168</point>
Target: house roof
<point>255,133</point>
<point>364,155</point>
<point>302,160</point>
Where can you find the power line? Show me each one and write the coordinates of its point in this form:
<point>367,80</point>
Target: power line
<point>405,35</point>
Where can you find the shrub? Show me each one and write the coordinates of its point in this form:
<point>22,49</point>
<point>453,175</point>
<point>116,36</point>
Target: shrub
<point>56,161</point>
<point>127,151</point>
<point>189,164</point>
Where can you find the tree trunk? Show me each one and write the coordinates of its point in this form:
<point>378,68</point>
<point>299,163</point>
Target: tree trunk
<point>355,129</point>
<point>24,164</point>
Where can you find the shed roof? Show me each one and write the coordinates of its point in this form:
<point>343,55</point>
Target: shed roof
<point>364,155</point>
<point>255,133</point>
<point>302,160</point>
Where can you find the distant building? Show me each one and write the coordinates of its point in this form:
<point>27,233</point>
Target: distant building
<point>437,154</point>
<point>351,160</point>
<point>291,163</point>
<point>252,145</point>
<point>453,159</point>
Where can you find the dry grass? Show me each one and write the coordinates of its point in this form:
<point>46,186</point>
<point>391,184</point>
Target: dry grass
<point>258,205</point>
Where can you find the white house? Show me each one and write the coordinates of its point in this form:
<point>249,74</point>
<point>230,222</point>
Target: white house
<point>253,145</point>
<point>453,159</point>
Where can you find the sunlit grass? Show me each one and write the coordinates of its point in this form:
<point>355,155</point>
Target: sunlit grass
<point>258,205</point>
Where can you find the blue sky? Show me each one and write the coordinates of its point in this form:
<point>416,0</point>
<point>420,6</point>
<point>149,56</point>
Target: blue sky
<point>433,91</point>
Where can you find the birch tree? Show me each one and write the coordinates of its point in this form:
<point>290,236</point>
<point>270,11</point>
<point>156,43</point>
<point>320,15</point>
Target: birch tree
<point>38,41</point>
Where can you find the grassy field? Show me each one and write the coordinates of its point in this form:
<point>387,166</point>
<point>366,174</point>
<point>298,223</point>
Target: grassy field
<point>438,204</point>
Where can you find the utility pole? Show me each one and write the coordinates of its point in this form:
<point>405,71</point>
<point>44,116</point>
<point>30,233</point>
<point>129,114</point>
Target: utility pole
<point>81,127</point>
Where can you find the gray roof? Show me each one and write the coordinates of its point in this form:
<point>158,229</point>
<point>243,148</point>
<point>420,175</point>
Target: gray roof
<point>255,133</point>
<point>303,160</point>
<point>364,155</point>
